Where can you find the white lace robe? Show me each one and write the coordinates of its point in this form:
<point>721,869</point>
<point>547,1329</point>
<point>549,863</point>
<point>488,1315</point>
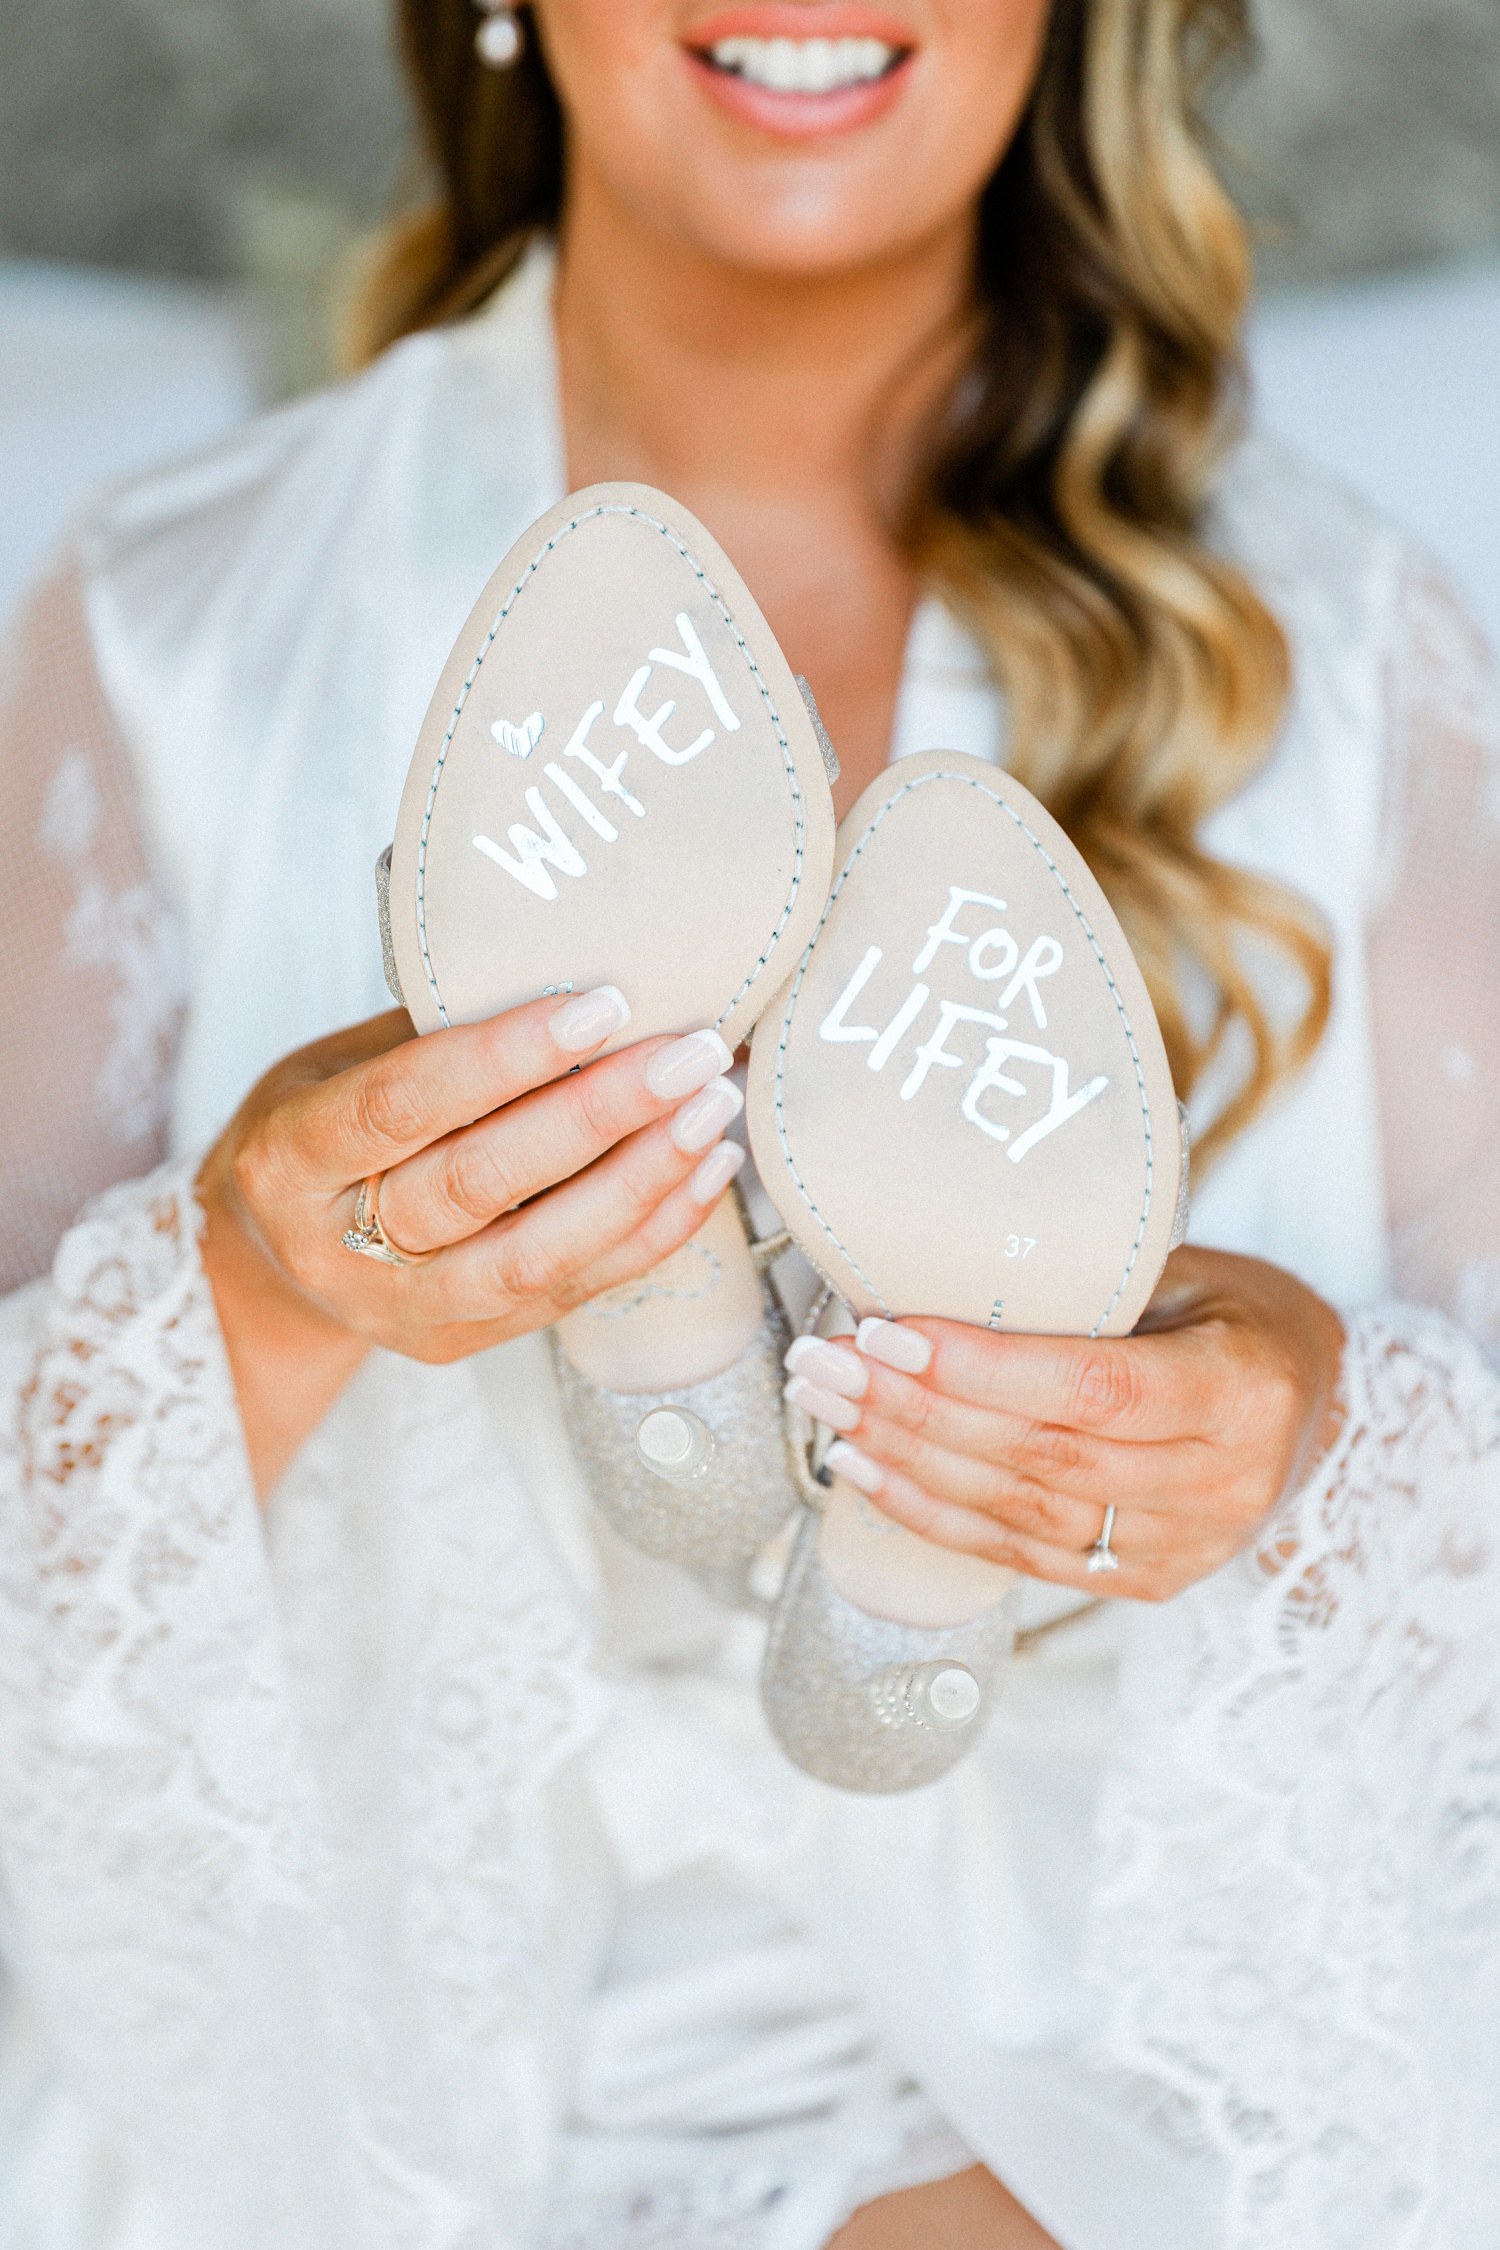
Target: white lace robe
<point>410,1866</point>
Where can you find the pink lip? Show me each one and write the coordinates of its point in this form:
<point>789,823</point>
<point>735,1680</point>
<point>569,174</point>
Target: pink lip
<point>786,19</point>
<point>799,116</point>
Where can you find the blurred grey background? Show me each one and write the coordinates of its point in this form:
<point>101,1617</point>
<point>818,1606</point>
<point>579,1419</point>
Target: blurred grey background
<point>156,133</point>
<point>179,180</point>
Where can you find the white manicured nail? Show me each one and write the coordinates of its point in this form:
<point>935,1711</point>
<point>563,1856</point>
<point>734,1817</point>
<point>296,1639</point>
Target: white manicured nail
<point>716,1171</point>
<point>686,1065</point>
<point>704,1118</point>
<point>854,1467</point>
<point>893,1346</point>
<point>592,1016</point>
<point>823,1406</point>
<point>825,1364</point>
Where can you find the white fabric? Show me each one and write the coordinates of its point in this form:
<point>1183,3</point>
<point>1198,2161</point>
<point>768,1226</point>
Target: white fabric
<point>1304,1845</point>
<point>418,1870</point>
<point>1387,381</point>
<point>103,374</point>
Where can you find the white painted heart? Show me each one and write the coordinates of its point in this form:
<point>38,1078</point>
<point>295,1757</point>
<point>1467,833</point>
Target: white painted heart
<point>522,740</point>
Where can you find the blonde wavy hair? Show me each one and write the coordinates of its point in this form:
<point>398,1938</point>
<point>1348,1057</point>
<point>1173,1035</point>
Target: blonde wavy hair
<point>1060,506</point>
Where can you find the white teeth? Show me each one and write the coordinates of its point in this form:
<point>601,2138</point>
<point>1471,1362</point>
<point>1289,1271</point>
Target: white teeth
<point>805,66</point>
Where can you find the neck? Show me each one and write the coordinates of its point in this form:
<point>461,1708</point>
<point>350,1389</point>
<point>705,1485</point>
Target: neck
<point>683,372</point>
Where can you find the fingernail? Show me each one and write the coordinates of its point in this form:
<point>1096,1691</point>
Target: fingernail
<point>827,1366</point>
<point>592,1016</point>
<point>896,1347</point>
<point>716,1171</point>
<point>704,1118</point>
<point>823,1406</point>
<point>854,1467</point>
<point>686,1065</point>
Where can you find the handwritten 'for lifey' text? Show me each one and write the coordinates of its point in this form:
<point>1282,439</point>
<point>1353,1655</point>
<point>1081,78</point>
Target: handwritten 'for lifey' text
<point>994,958</point>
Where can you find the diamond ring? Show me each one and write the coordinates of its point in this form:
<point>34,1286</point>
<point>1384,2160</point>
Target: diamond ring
<point>369,1237</point>
<point>1102,1555</point>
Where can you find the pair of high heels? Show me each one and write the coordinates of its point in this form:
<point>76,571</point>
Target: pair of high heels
<point>958,1099</point>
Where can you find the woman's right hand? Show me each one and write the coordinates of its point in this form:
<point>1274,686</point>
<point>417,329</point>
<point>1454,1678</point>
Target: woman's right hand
<point>542,1177</point>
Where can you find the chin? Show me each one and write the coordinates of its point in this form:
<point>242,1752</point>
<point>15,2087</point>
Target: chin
<point>797,250</point>
<point>798,216</point>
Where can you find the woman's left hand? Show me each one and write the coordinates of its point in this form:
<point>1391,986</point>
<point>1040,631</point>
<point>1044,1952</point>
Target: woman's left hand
<point>1012,1447</point>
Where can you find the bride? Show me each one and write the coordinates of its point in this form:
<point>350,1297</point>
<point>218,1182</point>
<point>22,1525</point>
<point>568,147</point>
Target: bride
<point>390,1856</point>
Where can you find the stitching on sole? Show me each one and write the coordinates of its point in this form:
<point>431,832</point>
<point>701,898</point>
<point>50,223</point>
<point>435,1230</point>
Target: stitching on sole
<point>1084,924</point>
<point>527,575</point>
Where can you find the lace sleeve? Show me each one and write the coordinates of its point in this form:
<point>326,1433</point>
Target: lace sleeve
<point>1434,951</point>
<point>1299,1922</point>
<point>1300,1918</point>
<point>91,979</point>
<point>276,1872</point>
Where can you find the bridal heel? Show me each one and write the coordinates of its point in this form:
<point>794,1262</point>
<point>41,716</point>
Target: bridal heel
<point>861,1700</point>
<point>864,1702</point>
<point>961,1106</point>
<point>615,730</point>
<point>684,1474</point>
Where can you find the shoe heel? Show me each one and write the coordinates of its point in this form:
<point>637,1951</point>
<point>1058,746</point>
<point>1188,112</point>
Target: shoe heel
<point>687,1476</point>
<point>867,1704</point>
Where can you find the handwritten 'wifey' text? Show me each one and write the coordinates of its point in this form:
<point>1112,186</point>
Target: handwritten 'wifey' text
<point>548,846</point>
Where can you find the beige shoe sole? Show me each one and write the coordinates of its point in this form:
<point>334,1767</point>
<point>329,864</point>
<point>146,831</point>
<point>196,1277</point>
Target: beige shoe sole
<point>617,782</point>
<point>960,1104</point>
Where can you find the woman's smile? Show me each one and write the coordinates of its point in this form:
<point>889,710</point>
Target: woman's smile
<point>788,137</point>
<point>799,71</point>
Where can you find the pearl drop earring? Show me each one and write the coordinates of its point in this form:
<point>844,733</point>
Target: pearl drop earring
<point>500,38</point>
